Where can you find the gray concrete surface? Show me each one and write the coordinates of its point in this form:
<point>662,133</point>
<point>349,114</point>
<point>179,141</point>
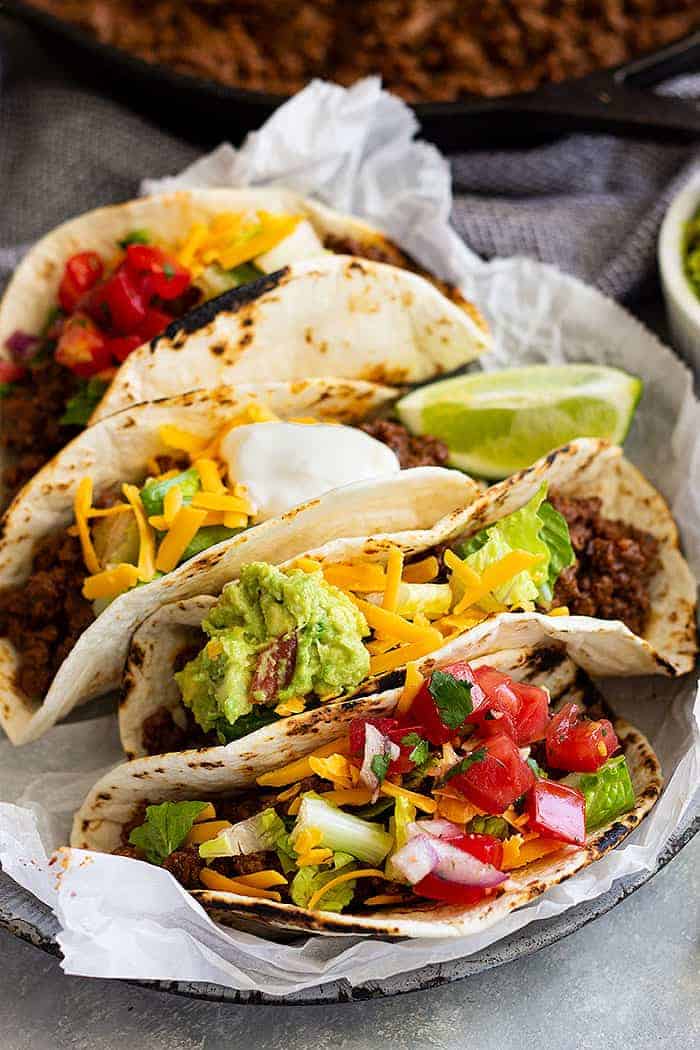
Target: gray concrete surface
<point>629,980</point>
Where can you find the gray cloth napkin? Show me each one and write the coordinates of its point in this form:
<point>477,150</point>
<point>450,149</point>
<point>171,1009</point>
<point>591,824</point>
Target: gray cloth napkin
<point>589,204</point>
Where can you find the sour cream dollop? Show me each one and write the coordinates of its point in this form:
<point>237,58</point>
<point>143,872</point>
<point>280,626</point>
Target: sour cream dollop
<point>285,464</point>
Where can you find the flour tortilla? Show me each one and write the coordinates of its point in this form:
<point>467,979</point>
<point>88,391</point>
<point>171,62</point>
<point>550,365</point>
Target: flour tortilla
<point>331,315</point>
<point>209,773</point>
<point>410,499</point>
<point>583,468</point>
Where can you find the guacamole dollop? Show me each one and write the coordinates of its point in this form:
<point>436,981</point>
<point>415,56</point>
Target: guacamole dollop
<point>273,635</point>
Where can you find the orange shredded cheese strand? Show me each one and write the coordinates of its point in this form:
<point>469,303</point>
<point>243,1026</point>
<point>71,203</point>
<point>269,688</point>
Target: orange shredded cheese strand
<point>348,796</point>
<point>533,850</point>
<point>386,898</point>
<point>208,813</point>
<point>364,578</point>
<point>394,568</point>
<point>109,512</point>
<point>263,880</point>
<point>209,475</point>
<point>145,565</point>
<point>421,571</point>
<point>300,768</point>
<point>284,796</point>
<point>394,626</point>
<point>81,507</point>
<point>205,830</point>
<point>214,881</point>
<point>404,655</point>
<point>496,575</point>
<point>348,876</point>
<point>222,501</point>
<point>421,802</point>
<point>111,582</point>
<point>184,528</point>
<point>182,440</point>
<point>411,687</point>
<point>561,610</point>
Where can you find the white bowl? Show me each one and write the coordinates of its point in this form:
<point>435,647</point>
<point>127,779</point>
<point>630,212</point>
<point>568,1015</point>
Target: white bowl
<point>682,305</point>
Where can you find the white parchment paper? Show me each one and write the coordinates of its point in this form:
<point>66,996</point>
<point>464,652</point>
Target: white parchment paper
<point>354,149</point>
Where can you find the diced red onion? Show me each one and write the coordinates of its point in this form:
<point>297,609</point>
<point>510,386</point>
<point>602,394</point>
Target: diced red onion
<point>21,346</point>
<point>439,829</point>
<point>425,855</point>
<point>375,744</point>
<point>416,859</point>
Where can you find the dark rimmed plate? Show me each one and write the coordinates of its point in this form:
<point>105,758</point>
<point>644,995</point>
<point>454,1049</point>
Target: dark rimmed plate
<point>204,111</point>
<point>25,917</point>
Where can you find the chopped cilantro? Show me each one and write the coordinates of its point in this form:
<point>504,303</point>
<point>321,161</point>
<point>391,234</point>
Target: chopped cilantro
<point>380,765</point>
<point>421,748</point>
<point>255,719</point>
<point>536,769</point>
<point>5,390</point>
<point>135,237</point>
<point>166,827</point>
<point>476,756</point>
<point>83,403</point>
<point>452,697</point>
<point>168,270</point>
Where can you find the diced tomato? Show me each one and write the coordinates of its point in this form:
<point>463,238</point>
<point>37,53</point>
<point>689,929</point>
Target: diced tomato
<point>10,372</point>
<point>82,347</point>
<point>579,745</point>
<point>557,811</point>
<point>511,707</point>
<point>122,345</point>
<point>495,781</point>
<point>155,322</point>
<point>158,274</point>
<point>425,712</point>
<point>118,305</point>
<point>81,273</point>
<point>486,848</point>
<point>437,889</point>
<point>390,728</point>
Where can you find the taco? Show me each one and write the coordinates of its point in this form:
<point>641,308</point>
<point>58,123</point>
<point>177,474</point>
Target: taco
<point>142,497</point>
<point>578,551</point>
<point>96,288</point>
<point>430,810</point>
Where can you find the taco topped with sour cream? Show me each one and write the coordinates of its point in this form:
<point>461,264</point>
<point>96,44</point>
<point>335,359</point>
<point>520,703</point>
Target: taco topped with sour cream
<point>100,286</point>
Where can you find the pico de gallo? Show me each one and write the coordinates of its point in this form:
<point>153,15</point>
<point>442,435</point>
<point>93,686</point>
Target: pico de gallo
<point>108,304</point>
<point>412,606</point>
<point>471,777</point>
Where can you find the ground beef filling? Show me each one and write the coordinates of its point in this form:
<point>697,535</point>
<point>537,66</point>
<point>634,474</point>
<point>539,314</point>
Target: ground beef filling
<point>614,566</point>
<point>44,617</point>
<point>29,421</point>
<point>422,49</point>
<point>412,450</point>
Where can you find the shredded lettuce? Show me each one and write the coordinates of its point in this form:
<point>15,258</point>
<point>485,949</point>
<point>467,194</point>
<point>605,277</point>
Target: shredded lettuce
<point>608,791</point>
<point>343,832</point>
<point>264,831</point>
<point>308,880</point>
<point>536,528</point>
<point>165,829</point>
<point>404,814</point>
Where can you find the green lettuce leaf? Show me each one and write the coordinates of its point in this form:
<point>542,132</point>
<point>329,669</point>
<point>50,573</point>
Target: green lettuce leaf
<point>536,528</point>
<point>608,791</point>
<point>166,827</point>
<point>311,878</point>
<point>80,407</point>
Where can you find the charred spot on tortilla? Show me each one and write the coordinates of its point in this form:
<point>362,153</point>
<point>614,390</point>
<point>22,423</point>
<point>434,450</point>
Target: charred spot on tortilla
<point>245,340</point>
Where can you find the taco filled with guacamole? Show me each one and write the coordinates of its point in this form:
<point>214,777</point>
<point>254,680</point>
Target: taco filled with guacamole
<point>430,809</point>
<point>93,291</point>
<point>137,501</point>
<point>578,551</point>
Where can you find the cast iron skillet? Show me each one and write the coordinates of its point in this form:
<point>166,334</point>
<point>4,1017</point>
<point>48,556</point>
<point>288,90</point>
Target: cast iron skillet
<point>612,100</point>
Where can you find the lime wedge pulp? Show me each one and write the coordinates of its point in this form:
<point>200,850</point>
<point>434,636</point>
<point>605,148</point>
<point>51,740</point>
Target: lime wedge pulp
<point>495,423</point>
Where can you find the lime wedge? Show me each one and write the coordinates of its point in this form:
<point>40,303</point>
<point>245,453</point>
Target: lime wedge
<point>498,422</point>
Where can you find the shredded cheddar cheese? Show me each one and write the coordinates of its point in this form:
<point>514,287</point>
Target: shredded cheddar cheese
<point>294,706</point>
<point>413,683</point>
<point>110,582</point>
<point>205,830</point>
<point>81,508</point>
<point>145,565</point>
<point>394,569</point>
<point>347,876</point>
<point>184,528</point>
<point>300,768</point>
<point>214,881</point>
<point>421,571</point>
<point>263,880</point>
<point>366,577</point>
<point>421,802</point>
